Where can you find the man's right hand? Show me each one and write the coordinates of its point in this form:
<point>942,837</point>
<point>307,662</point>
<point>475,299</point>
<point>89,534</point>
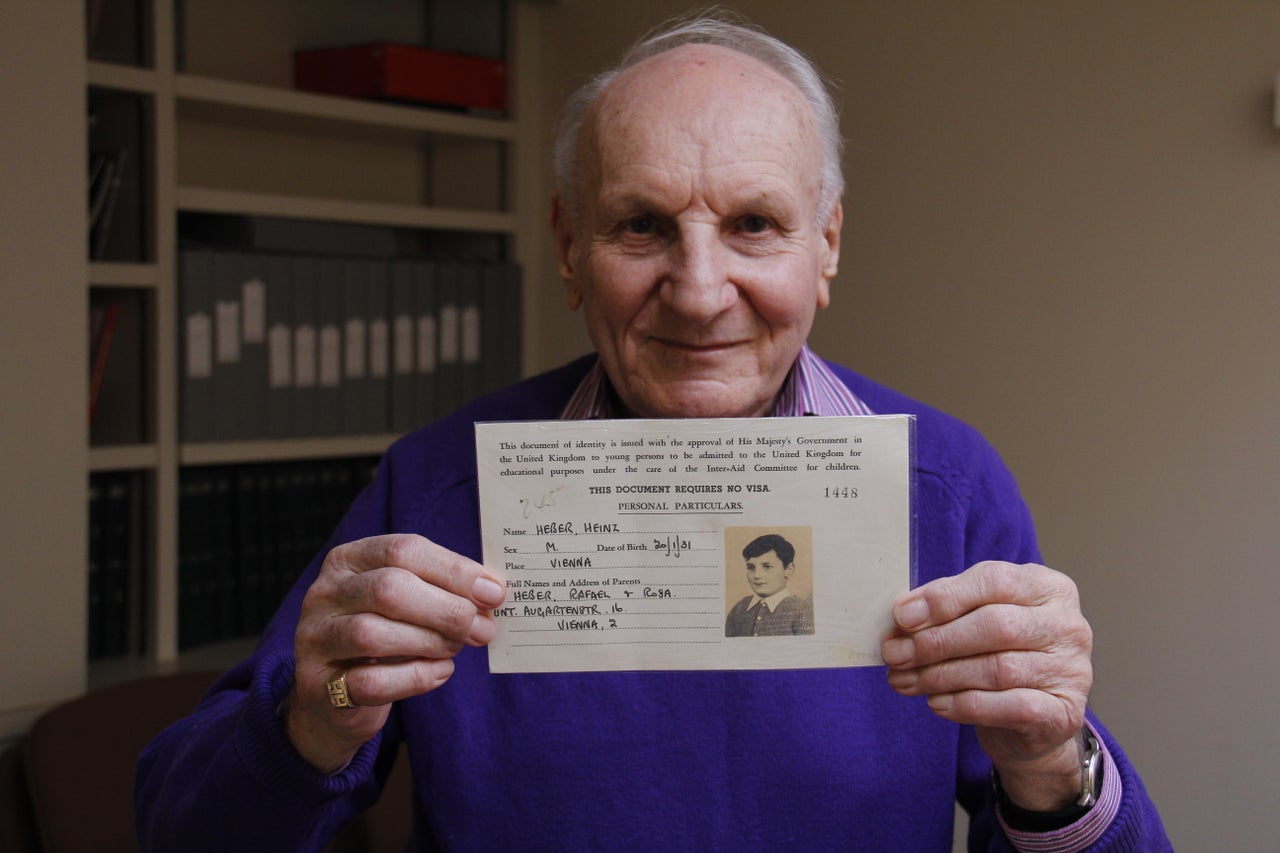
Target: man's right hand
<point>391,612</point>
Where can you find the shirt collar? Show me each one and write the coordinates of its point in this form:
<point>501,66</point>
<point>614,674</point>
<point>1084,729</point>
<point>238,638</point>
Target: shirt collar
<point>771,603</point>
<point>811,388</point>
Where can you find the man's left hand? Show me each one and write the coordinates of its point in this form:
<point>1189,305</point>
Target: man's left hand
<point>1006,649</point>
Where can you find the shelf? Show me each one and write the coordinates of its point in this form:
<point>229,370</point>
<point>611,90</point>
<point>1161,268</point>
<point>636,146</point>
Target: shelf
<point>107,274</point>
<point>234,202</point>
<point>214,656</point>
<point>124,458</point>
<point>283,450</point>
<point>218,101</point>
<point>125,77</point>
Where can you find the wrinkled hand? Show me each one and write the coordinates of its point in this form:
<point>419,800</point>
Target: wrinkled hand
<point>1006,649</point>
<point>391,611</point>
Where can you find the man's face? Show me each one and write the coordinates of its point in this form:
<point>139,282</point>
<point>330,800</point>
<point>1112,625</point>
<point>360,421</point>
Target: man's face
<point>698,258</point>
<point>767,574</point>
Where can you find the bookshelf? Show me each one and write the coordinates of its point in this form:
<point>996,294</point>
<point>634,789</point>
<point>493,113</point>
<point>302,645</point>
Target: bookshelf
<point>204,87</point>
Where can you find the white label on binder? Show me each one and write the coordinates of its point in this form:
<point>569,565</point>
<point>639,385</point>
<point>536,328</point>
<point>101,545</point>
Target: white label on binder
<point>199,346</point>
<point>354,338</point>
<point>304,350</point>
<point>279,364</point>
<point>227,320</point>
<point>471,335</point>
<point>253,296</point>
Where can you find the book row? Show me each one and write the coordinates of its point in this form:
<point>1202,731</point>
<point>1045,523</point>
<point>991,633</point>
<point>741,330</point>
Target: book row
<point>282,345</point>
<point>245,532</point>
<point>117,557</point>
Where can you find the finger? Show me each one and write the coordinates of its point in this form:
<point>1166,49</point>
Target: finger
<point>383,682</point>
<point>401,596</point>
<point>370,636</point>
<point>945,599</point>
<point>430,562</point>
<point>388,613</point>
<point>990,629</point>
<point>1035,714</point>
<point>1066,674</point>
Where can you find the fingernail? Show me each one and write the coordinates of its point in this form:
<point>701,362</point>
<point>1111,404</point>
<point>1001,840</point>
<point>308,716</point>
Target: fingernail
<point>913,613</point>
<point>483,629</point>
<point>941,702</point>
<point>487,592</point>
<point>898,651</point>
<point>903,680</point>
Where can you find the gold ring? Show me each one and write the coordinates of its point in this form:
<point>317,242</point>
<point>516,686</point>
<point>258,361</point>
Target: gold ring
<point>339,695</point>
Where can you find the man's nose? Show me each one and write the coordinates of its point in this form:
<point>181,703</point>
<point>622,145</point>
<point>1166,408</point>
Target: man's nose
<point>698,286</point>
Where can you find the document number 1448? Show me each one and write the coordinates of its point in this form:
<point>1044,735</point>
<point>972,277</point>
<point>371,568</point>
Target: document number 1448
<point>840,492</point>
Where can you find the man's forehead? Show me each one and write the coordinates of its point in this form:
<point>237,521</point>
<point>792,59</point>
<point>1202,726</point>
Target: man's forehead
<point>771,191</point>
<point>706,107</point>
<point>708,77</point>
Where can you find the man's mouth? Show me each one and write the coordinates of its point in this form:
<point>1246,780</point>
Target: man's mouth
<point>700,348</point>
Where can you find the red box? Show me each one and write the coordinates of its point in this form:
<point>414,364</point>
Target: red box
<point>402,72</point>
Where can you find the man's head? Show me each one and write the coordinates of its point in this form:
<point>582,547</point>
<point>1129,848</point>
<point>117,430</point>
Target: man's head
<point>771,561</point>
<point>698,218</point>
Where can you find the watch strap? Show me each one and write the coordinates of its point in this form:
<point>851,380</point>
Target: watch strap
<point>1026,820</point>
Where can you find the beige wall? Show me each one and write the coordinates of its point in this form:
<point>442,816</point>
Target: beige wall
<point>43,417</point>
<point>1063,224</point>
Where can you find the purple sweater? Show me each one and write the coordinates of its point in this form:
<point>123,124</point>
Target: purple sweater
<point>775,760</point>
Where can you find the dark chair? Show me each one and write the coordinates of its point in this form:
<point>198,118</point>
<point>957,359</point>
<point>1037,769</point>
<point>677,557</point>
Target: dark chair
<point>79,759</point>
<point>17,822</point>
<point>67,787</point>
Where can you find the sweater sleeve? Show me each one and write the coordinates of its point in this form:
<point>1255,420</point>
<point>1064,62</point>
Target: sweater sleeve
<point>998,526</point>
<point>227,778</point>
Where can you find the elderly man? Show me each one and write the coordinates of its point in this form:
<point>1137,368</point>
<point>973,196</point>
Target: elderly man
<point>697,226</point>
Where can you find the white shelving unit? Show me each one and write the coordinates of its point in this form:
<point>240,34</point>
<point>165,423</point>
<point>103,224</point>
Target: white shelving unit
<point>254,147</point>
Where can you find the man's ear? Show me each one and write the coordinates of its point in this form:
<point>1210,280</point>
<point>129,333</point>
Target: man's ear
<point>562,229</point>
<point>831,256</point>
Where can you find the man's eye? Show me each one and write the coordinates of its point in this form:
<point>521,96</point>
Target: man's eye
<point>754,224</point>
<point>641,225</point>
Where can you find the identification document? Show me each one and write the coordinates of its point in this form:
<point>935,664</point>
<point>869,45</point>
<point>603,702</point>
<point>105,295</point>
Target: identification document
<point>755,543</point>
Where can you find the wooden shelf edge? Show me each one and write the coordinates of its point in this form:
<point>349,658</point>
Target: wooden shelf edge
<point>283,449</point>
<point>107,75</point>
<point>104,274</point>
<point>247,96</point>
<point>335,210</point>
<point>124,458</point>
<point>214,656</point>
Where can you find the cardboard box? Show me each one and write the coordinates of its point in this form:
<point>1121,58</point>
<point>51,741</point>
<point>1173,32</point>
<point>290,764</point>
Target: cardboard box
<point>401,72</point>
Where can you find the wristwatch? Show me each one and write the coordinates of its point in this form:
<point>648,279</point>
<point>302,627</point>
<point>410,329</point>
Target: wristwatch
<point>1026,820</point>
<point>1090,770</point>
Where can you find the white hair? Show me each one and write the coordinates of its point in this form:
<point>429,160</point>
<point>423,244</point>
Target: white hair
<point>723,29</point>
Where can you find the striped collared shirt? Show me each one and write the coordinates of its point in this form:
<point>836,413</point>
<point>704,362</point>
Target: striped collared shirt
<point>810,389</point>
